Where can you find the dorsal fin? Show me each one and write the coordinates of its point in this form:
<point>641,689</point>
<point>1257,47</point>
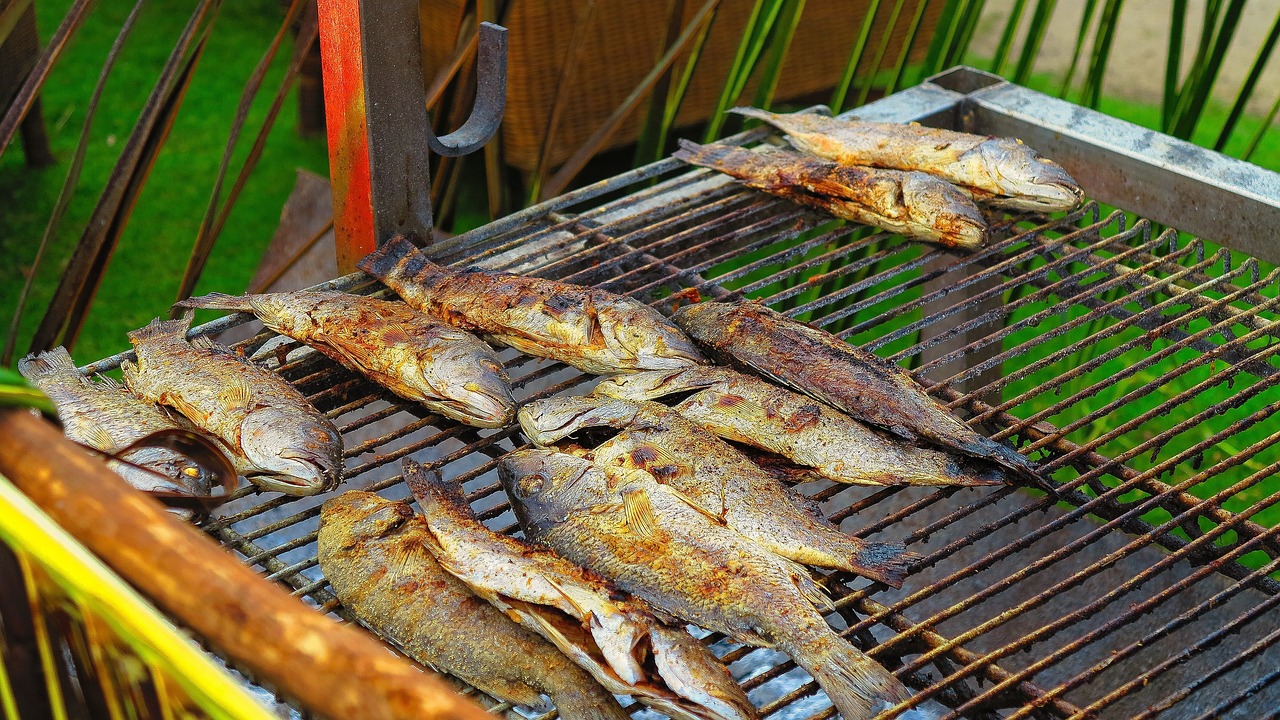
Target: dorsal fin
<point>158,329</point>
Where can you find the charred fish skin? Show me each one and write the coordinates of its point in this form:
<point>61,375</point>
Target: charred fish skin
<point>1002,172</point>
<point>717,477</point>
<point>595,331</point>
<point>748,410</point>
<point>523,580</point>
<point>412,354</point>
<point>261,420</point>
<point>652,544</point>
<point>756,339</point>
<point>374,554</point>
<point>105,416</point>
<point>913,204</point>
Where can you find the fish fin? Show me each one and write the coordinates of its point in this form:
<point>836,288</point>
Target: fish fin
<point>108,382</point>
<point>687,500</point>
<point>219,301</point>
<point>430,489</point>
<point>572,597</point>
<point>857,685</point>
<point>163,328</point>
<point>97,436</point>
<point>587,701</point>
<point>808,587</point>
<point>55,362</point>
<point>236,396</point>
<point>396,333</point>
<point>189,411</point>
<point>129,372</point>
<point>638,508</point>
<point>757,113</point>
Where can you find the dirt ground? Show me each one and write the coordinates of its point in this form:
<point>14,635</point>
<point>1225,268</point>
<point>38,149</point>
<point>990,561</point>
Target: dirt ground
<point>1136,70</point>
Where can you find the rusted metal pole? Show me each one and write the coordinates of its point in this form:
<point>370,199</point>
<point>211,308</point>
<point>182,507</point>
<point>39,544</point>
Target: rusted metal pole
<point>332,670</point>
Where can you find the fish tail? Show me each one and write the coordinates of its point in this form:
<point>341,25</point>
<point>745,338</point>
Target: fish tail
<point>433,493</point>
<point>163,329</point>
<point>857,685</point>
<point>771,118</point>
<point>586,701</point>
<point>218,301</point>
<point>399,263</point>
<point>1008,458</point>
<point>884,562</point>
<point>50,363</point>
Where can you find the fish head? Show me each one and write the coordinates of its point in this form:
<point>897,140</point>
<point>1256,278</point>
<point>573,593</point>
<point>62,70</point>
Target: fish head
<point>938,208</point>
<point>1037,182</point>
<point>546,421</point>
<point>294,454</point>
<point>483,396</point>
<point>704,319</point>
<point>164,470</point>
<point>546,485</point>
<point>357,516</point>
<point>638,386</point>
<point>649,341</point>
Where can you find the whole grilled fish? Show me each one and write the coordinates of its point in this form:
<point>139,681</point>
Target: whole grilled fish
<point>715,476</point>
<point>1000,171</point>
<point>913,204</point>
<point>103,415</point>
<point>374,554</point>
<point>265,424</point>
<point>588,618</point>
<point>753,337</point>
<point>411,354</point>
<point>592,330</point>
<point>649,541</point>
<point>748,410</point>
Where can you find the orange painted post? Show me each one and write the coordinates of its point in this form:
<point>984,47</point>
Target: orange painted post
<point>344,109</point>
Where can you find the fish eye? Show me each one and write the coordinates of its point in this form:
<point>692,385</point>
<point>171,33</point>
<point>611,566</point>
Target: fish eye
<point>191,471</point>
<point>532,484</point>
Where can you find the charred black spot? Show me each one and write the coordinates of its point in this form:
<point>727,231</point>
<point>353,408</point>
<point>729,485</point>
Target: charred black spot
<point>664,472</point>
<point>559,304</point>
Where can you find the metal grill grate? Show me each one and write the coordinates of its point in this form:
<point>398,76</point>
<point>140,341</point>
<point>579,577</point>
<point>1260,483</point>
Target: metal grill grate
<point>1140,368</point>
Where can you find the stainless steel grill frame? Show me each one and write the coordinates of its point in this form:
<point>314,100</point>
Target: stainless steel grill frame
<point>1021,603</point>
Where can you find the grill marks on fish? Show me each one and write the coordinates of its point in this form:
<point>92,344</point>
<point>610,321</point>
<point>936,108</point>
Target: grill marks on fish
<point>715,477</point>
<point>914,204</point>
<point>592,330</point>
<point>748,410</point>
<point>277,438</point>
<point>105,416</point>
<point>412,354</point>
<point>752,337</point>
<point>689,566</point>
<point>1002,172</point>
<point>616,639</point>
<point>374,553</point>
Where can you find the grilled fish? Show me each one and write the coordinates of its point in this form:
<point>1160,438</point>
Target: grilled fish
<point>280,440</point>
<point>753,337</point>
<point>415,356</point>
<point>592,330</point>
<point>748,410</point>
<point>999,171</point>
<point>103,415</point>
<point>374,553</point>
<point>913,204</point>
<point>649,541</point>
<point>715,476</point>
<point>590,620</point>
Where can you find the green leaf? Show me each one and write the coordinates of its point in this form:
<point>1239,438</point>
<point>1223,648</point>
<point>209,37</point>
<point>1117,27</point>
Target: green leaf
<point>779,46</point>
<point>1090,7</point>
<point>1189,112</point>
<point>968,25</point>
<point>1173,62</point>
<point>943,35</point>
<point>1250,83</point>
<point>855,57</point>
<point>881,49</point>
<point>1262,130</point>
<point>1107,25</point>
<point>754,35</point>
<point>1035,40</point>
<point>1006,37</point>
<point>16,392</point>
<point>913,31</point>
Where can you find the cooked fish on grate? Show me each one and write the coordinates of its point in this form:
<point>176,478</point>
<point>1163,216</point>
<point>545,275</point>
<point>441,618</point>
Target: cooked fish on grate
<point>374,554</point>
<point>592,330</point>
<point>914,204</point>
<point>105,416</point>
<point>277,438</point>
<point>746,409</point>
<point>755,338</point>
<point>715,477</point>
<point>651,542</point>
<point>615,638</point>
<point>998,171</point>
<point>412,354</point>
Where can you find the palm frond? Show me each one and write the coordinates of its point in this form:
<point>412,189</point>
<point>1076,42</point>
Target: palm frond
<point>1091,94</point>
<point>779,46</point>
<point>763,15</point>
<point>1090,7</point>
<point>881,48</point>
<point>30,90</point>
<point>856,53</point>
<point>1250,84</point>
<point>908,43</point>
<point>1007,36</point>
<point>1035,39</point>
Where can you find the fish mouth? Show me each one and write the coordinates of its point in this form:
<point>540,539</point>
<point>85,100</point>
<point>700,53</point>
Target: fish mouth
<point>481,408</point>
<point>303,476</point>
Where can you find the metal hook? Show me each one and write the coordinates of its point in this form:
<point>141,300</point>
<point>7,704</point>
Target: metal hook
<point>491,97</point>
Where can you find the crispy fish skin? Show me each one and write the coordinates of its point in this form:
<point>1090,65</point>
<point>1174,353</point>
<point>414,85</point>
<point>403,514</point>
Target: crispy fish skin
<point>103,415</point>
<point>913,204</point>
<point>374,553</point>
<point>757,339</point>
<point>999,171</point>
<point>610,635</point>
<point>715,476</point>
<point>746,409</point>
<point>411,354</point>
<point>595,331</point>
<point>651,543</point>
<point>267,426</point>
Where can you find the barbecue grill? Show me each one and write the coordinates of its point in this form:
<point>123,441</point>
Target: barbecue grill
<point>1147,588</point>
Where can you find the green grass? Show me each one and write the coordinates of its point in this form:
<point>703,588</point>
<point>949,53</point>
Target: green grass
<point>148,264</point>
